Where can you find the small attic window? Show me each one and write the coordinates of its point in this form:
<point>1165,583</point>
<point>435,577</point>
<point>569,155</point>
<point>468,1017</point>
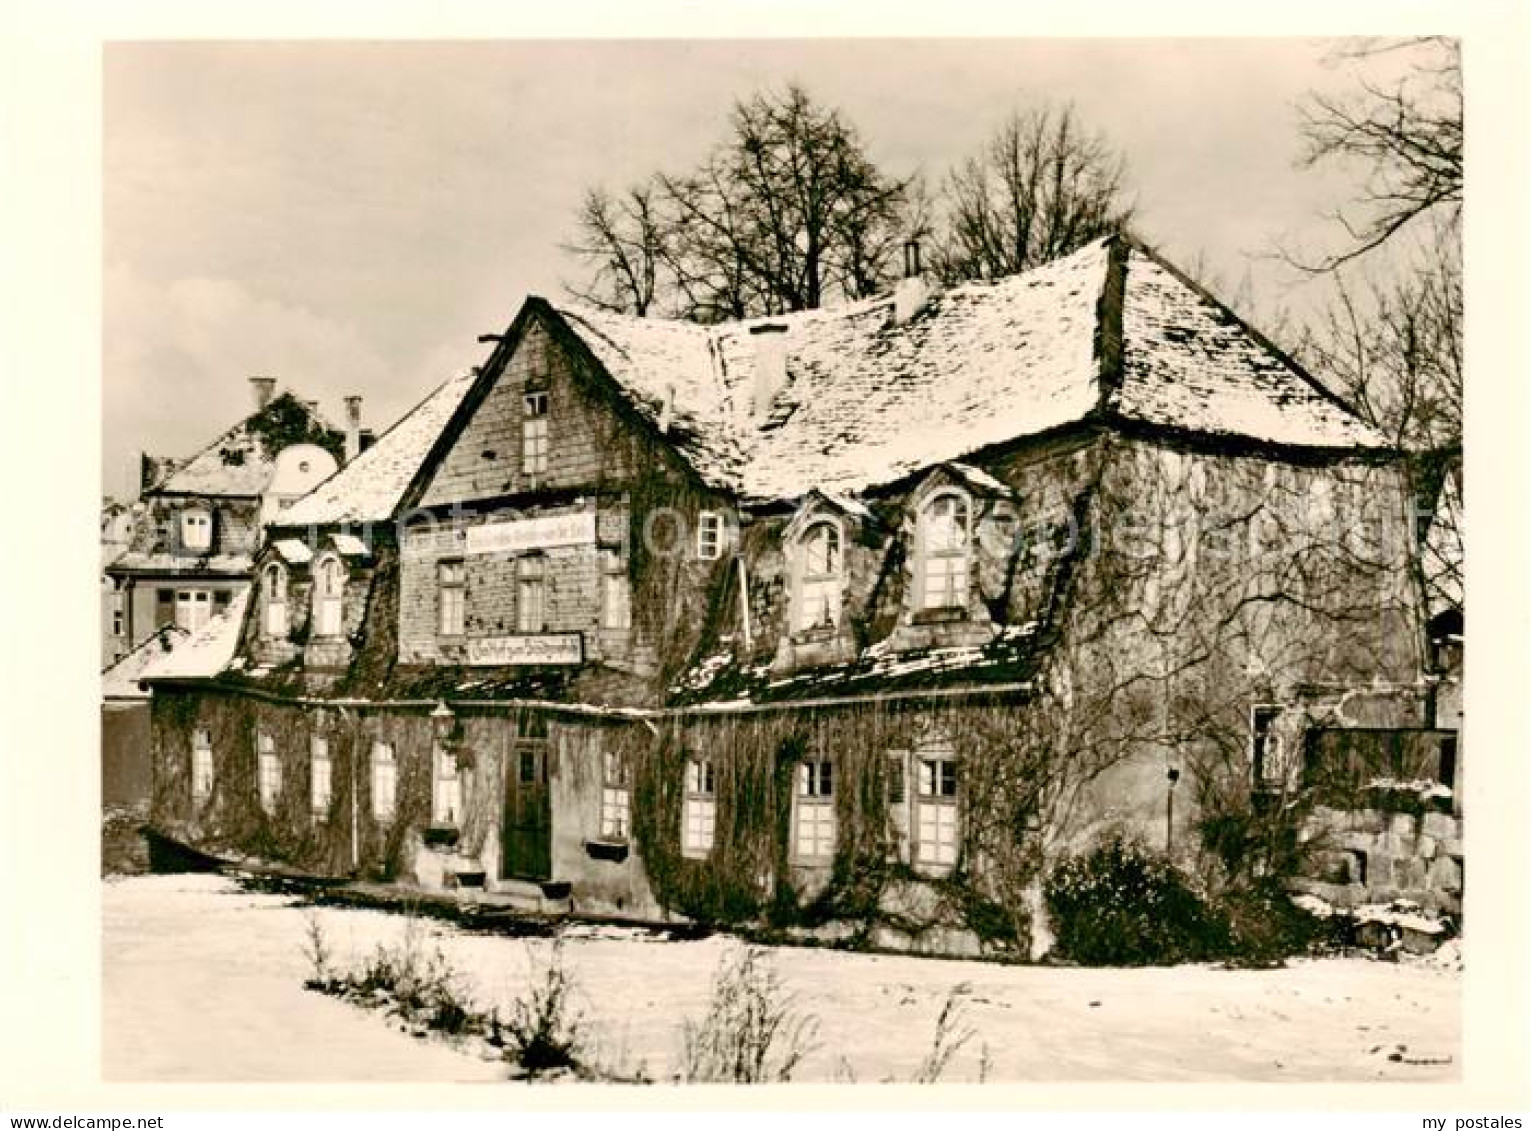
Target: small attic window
<point>197,528</point>
<point>709,536</point>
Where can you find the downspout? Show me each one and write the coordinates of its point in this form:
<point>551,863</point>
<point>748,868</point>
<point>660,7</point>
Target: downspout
<point>355,809</point>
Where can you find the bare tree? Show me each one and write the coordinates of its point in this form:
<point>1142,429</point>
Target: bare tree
<point>789,212</point>
<point>1408,134</point>
<point>1041,187</point>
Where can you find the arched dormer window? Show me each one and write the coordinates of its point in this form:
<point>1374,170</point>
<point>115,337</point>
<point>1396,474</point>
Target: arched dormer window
<point>942,546</point>
<point>329,595</point>
<point>197,528</point>
<point>273,586</point>
<point>821,577</point>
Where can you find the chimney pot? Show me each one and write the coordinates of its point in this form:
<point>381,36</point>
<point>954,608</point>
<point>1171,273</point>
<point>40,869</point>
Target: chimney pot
<point>353,427</point>
<point>770,368</point>
<point>263,388</point>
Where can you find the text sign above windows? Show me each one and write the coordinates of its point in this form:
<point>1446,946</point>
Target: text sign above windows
<point>536,648</point>
<point>524,534</point>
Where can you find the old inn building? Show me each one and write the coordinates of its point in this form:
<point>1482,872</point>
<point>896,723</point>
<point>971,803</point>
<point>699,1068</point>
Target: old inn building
<point>847,621</point>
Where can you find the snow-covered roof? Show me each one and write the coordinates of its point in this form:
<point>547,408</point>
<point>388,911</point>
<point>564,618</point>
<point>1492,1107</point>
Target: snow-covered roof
<point>120,680</point>
<point>293,550</point>
<point>369,488</point>
<point>236,462</point>
<point>163,562</point>
<point>868,401</point>
<point>207,651</point>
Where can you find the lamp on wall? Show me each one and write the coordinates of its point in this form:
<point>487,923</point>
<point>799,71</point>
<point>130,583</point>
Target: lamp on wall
<point>442,720</point>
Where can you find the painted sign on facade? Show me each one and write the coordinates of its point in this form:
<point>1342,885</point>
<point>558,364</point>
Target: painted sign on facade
<point>540,648</point>
<point>523,534</point>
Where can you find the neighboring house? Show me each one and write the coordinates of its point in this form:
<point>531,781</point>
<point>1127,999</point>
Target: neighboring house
<point>849,619</point>
<point>126,766</point>
<point>200,520</point>
<point>118,520</point>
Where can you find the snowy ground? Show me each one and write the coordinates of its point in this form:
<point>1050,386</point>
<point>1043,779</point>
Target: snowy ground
<point>203,981</point>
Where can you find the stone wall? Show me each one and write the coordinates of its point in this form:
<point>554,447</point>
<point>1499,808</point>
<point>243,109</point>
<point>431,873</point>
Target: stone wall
<point>1368,856</point>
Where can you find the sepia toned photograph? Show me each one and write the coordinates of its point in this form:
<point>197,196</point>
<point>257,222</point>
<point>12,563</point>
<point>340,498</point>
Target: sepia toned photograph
<point>757,561</point>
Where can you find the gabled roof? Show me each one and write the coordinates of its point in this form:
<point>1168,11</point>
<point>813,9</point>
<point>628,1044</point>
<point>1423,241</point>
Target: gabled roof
<point>207,651</point>
<point>1109,332</point>
<point>370,487</point>
<point>237,462</point>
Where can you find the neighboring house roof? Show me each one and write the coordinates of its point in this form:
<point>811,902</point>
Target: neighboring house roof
<point>237,463</point>
<point>163,563</point>
<point>868,401</point>
<point>120,680</point>
<point>370,487</point>
<point>1441,554</point>
<point>207,651</point>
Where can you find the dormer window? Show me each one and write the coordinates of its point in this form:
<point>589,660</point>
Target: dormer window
<point>197,529</point>
<point>942,547</point>
<point>274,598</point>
<point>534,433</point>
<point>821,581</point>
<point>329,596</point>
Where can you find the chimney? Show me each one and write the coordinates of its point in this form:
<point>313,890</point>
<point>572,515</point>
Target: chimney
<point>353,427</point>
<point>368,438</point>
<point>913,290</point>
<point>770,368</point>
<point>263,388</point>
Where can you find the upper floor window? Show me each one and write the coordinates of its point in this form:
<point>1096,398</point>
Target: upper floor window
<point>197,528</point>
<point>274,596</point>
<point>451,579</point>
<point>193,608</point>
<point>822,578</point>
<point>329,596</point>
<point>616,592</point>
<point>534,433</point>
<point>709,535</point>
<point>942,544</point>
<point>531,610</point>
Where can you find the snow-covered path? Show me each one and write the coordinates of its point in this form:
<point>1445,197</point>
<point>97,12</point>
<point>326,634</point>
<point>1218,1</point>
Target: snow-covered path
<point>203,981</point>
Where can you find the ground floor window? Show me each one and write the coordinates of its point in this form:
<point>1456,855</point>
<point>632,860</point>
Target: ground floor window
<point>268,772</point>
<point>384,781</point>
<point>936,814</point>
<point>813,838</point>
<point>320,778</point>
<point>615,790</point>
<point>201,766</point>
<point>446,798</point>
<point>699,814</point>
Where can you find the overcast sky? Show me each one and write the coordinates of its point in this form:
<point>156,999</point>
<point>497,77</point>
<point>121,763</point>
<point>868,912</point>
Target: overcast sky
<point>349,217</point>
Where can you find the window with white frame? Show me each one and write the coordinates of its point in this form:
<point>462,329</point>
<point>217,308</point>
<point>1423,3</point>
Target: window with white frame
<point>942,547</point>
<point>274,597</point>
<point>615,796</point>
<point>451,595</point>
<point>616,592</point>
<point>329,596</point>
<point>446,797</point>
<point>385,776</point>
<point>531,605</point>
<point>709,535</point>
<point>201,766</point>
<point>820,578</point>
<point>700,810</point>
<point>268,772</point>
<point>320,776</point>
<point>197,528</point>
<point>813,837</point>
<point>193,608</point>
<point>935,824</point>
<point>534,433</point>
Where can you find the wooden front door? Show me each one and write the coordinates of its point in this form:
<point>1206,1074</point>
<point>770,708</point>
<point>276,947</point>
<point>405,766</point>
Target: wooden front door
<point>528,833</point>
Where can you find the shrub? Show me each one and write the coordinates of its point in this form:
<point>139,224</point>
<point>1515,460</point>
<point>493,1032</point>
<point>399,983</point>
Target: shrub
<point>543,1030</point>
<point>1124,905</point>
<point>752,1032</point>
